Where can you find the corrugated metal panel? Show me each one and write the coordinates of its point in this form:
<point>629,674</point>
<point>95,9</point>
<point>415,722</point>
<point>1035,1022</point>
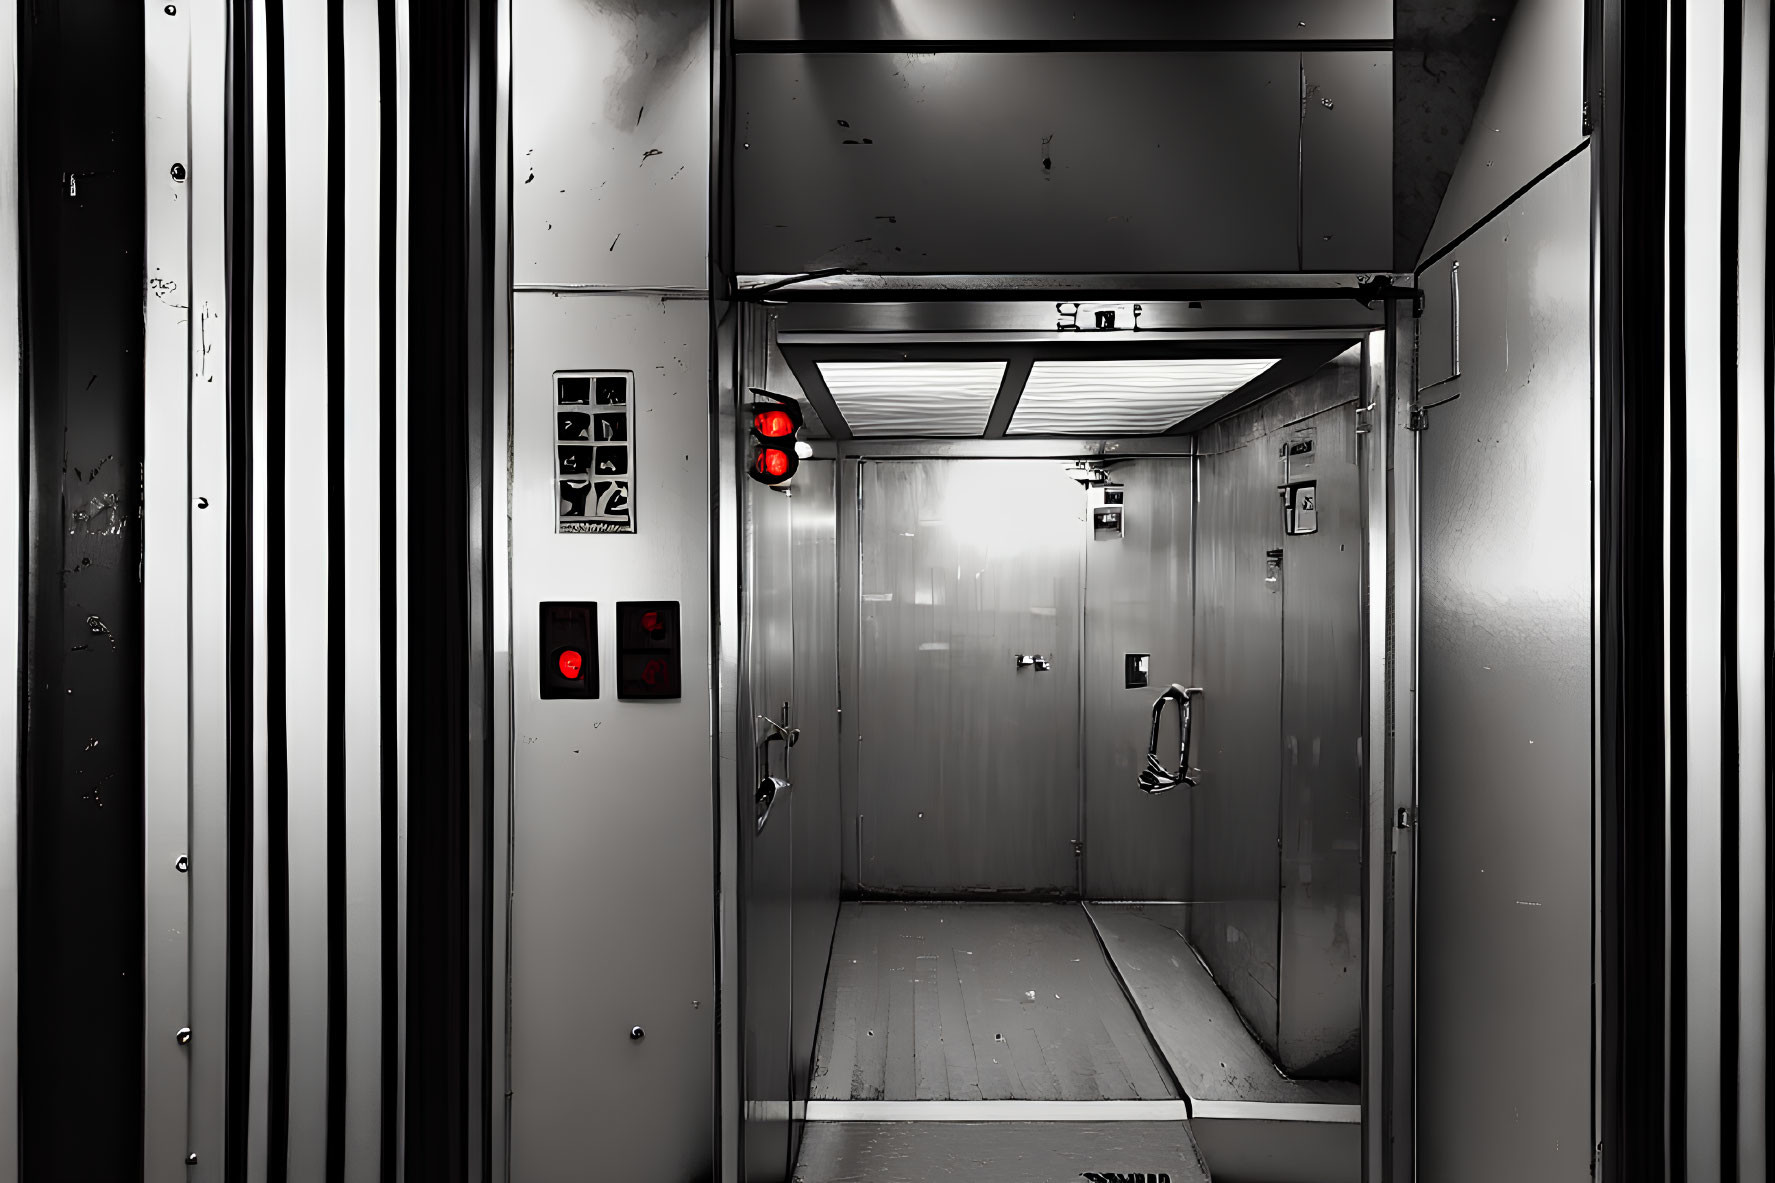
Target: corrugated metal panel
<point>1138,599</point>
<point>1125,396</point>
<point>914,398</point>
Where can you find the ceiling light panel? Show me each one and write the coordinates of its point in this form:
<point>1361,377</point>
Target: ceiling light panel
<point>914,398</point>
<point>1125,396</point>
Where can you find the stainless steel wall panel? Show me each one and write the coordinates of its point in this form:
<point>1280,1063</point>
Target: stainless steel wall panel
<point>612,876</point>
<point>1504,754</point>
<point>1139,598</point>
<point>767,855</point>
<point>1346,161</point>
<point>1057,20</point>
<point>969,765</point>
<point>610,144</point>
<point>166,525</point>
<point>1319,1007</point>
<point>813,763</point>
<point>1531,115</point>
<point>1236,806</point>
<point>1016,162</point>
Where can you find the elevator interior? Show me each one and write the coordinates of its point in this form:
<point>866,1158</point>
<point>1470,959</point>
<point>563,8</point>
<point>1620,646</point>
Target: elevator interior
<point>968,619</point>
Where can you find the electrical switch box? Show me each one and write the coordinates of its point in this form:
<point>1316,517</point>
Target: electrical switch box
<point>568,640</point>
<point>648,661</point>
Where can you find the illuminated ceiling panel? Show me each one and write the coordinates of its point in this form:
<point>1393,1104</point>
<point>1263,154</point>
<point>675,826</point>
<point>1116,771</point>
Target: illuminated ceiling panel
<point>914,398</point>
<point>1125,397</point>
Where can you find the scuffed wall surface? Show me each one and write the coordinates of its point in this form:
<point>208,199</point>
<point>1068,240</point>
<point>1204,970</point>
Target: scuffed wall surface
<point>610,143</point>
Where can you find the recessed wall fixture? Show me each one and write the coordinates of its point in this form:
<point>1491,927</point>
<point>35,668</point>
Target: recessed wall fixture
<point>1125,396</point>
<point>914,398</point>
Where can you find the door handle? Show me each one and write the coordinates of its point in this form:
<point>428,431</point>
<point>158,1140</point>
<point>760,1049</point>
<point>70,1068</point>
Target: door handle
<point>1155,777</point>
<point>1041,663</point>
<point>769,788</point>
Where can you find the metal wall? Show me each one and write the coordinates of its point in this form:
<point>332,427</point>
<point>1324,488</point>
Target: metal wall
<point>969,764</point>
<point>1139,597</point>
<point>1277,817</point>
<point>1027,162</point>
<point>813,763</point>
<point>1531,115</point>
<point>612,875</point>
<point>1506,795</point>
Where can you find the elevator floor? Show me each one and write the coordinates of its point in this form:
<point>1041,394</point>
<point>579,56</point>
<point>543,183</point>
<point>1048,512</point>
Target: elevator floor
<point>971,1002</point>
<point>1213,1053</point>
<point>998,1152</point>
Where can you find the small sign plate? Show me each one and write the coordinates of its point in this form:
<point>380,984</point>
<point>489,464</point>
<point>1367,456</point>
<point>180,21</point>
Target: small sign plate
<point>594,452</point>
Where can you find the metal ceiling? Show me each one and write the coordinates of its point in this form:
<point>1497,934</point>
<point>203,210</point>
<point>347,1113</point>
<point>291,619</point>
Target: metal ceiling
<point>1125,396</point>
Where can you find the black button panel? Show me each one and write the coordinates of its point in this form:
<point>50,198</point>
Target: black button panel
<point>568,639</point>
<point>648,663</point>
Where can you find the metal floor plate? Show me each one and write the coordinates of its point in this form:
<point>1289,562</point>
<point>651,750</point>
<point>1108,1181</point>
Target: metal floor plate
<point>999,1152</point>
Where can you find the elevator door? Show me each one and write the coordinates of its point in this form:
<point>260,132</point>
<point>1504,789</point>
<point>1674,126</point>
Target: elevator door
<point>969,760</point>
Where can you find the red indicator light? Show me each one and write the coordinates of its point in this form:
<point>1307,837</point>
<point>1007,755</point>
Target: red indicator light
<point>773,424</point>
<point>773,462</point>
<point>570,663</point>
<point>650,621</point>
<point>654,672</point>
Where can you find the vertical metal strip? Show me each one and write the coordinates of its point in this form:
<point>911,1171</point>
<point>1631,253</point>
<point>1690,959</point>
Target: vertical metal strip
<point>1374,443</point>
<point>259,1058</point>
<point>1752,543</point>
<point>1399,924</point>
<point>503,703</point>
<point>207,604</point>
<point>401,149</point>
<point>11,509</point>
<point>310,483</point>
<point>1700,563</point>
<point>167,341</point>
<point>360,509</point>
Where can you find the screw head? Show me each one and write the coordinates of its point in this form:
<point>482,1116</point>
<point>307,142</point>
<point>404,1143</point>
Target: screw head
<point>191,1159</point>
<point>636,1033</point>
<point>178,172</point>
<point>184,1035</point>
<point>182,864</point>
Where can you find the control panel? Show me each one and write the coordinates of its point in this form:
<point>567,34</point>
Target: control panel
<point>648,662</point>
<point>569,642</point>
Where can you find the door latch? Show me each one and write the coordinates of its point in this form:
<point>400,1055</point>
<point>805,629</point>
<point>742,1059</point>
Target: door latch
<point>1041,663</point>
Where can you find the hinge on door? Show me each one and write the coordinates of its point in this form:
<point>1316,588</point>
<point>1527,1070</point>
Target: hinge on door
<point>1586,117</point>
<point>1365,419</point>
<point>1078,848</point>
<point>1408,818</point>
<point>1418,419</point>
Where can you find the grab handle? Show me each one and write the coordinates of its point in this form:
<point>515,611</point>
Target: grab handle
<point>1155,777</point>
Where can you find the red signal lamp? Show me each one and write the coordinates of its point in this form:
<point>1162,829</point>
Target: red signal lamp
<point>774,465</point>
<point>773,425</point>
<point>570,663</point>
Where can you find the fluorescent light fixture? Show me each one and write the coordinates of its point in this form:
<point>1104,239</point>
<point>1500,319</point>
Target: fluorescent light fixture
<point>914,398</point>
<point>1125,396</point>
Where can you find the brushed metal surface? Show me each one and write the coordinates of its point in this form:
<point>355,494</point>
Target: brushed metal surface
<point>1505,899</point>
<point>767,856</point>
<point>1346,161</point>
<point>1532,113</point>
<point>969,765</point>
<point>813,762</point>
<point>612,804</point>
<point>610,143</point>
<point>1235,822</point>
<point>1139,596</point>
<point>1125,396</point>
<point>1319,1008</point>
<point>1017,162</point>
<point>1057,20</point>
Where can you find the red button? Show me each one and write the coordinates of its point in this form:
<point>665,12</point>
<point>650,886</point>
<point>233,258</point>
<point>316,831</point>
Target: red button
<point>570,663</point>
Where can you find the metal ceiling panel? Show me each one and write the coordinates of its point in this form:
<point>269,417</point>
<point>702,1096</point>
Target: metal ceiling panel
<point>914,398</point>
<point>989,21</point>
<point>1125,396</point>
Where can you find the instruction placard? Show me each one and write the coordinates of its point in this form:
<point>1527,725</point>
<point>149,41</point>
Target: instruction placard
<point>595,452</point>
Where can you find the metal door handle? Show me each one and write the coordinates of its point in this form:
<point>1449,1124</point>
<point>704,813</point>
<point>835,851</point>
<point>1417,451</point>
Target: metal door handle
<point>789,735</point>
<point>1155,777</point>
<point>1034,659</point>
<point>768,790</point>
